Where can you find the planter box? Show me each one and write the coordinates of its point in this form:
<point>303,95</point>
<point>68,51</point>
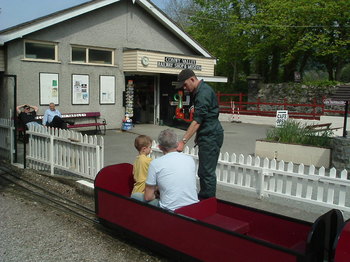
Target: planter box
<point>298,154</point>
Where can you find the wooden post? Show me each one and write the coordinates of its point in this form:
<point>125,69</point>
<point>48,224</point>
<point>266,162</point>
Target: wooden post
<point>52,163</point>
<point>345,118</point>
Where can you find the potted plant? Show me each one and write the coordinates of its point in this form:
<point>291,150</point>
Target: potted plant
<point>297,143</point>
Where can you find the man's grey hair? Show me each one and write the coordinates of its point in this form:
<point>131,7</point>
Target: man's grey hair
<point>168,139</point>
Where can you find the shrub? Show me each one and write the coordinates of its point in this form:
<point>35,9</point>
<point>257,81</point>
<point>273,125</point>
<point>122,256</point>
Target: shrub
<point>293,132</point>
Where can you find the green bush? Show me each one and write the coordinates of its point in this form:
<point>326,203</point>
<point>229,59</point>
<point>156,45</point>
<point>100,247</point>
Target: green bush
<point>293,132</point>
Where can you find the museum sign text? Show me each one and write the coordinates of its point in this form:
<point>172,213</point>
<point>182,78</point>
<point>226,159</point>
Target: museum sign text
<point>179,63</point>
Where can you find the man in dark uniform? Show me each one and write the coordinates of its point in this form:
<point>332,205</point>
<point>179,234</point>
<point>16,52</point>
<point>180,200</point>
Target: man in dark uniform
<point>209,132</point>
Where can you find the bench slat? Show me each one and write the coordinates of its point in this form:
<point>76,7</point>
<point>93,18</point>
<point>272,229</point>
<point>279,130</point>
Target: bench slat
<point>86,125</point>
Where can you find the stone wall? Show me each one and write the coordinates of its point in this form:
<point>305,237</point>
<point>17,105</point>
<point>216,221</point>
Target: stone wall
<point>340,153</point>
<point>292,93</point>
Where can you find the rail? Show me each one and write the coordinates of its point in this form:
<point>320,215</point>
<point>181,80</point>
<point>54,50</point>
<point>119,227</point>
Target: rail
<point>56,149</point>
<point>286,180</point>
<point>312,110</point>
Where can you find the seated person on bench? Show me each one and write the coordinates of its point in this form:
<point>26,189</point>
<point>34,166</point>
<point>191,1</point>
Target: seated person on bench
<point>53,118</point>
<point>27,113</point>
<point>173,174</point>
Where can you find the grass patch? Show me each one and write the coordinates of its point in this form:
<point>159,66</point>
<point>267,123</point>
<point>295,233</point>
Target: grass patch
<point>293,132</point>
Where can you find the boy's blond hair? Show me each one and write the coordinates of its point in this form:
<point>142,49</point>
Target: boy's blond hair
<point>142,141</point>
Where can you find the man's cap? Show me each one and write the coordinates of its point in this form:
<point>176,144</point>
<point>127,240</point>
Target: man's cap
<point>183,76</point>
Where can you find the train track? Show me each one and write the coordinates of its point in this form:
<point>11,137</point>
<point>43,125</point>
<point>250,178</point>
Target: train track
<point>47,197</point>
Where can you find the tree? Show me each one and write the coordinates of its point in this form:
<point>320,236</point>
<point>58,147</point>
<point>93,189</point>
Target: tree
<point>274,38</point>
<point>180,11</point>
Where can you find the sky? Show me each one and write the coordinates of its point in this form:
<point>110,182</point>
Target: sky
<point>14,12</point>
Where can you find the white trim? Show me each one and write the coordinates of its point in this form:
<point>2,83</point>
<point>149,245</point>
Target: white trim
<point>65,16</point>
<point>216,79</point>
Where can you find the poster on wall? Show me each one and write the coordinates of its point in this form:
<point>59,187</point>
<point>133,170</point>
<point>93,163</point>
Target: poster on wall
<point>107,90</point>
<point>80,91</point>
<point>48,88</point>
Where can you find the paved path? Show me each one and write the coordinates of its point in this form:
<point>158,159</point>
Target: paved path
<point>238,138</point>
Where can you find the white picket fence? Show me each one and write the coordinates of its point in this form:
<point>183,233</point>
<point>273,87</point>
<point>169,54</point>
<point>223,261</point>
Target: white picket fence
<point>270,177</point>
<point>56,149</point>
<point>7,138</point>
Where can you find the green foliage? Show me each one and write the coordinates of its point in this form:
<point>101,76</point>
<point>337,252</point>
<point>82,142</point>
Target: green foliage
<point>315,75</point>
<point>345,74</point>
<point>293,132</point>
<point>273,38</point>
<point>320,83</point>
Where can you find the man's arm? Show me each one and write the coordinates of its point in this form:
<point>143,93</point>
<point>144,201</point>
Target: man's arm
<point>150,192</point>
<point>18,109</point>
<point>35,108</point>
<point>191,130</point>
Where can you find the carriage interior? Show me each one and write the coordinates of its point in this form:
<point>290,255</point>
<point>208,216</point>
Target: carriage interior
<point>293,234</point>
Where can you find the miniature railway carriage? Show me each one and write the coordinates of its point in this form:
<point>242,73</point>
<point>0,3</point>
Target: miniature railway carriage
<point>216,230</point>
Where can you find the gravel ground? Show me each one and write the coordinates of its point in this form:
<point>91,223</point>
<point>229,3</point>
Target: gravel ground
<point>33,231</point>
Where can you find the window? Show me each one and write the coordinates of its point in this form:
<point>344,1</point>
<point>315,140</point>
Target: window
<point>79,54</point>
<point>41,51</point>
<point>92,55</point>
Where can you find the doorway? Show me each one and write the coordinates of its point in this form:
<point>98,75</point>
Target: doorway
<point>144,98</point>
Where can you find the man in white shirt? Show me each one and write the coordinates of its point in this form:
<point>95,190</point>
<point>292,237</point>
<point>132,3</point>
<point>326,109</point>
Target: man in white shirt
<point>53,118</point>
<point>173,174</point>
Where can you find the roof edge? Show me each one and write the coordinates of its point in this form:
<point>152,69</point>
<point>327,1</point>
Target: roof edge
<point>60,16</point>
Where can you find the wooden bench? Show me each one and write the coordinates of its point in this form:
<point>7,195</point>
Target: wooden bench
<point>321,127</point>
<point>72,116</point>
<point>88,115</point>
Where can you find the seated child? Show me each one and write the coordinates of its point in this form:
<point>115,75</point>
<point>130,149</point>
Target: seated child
<point>143,144</point>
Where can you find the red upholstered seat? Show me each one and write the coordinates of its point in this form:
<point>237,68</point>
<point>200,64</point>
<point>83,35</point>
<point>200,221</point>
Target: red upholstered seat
<point>228,223</point>
<point>206,211</point>
<point>116,178</point>
<point>199,210</point>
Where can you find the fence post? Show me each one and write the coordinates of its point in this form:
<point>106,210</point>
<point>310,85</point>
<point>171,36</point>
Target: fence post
<point>284,104</point>
<point>98,159</point>
<point>218,96</point>
<point>314,108</point>
<point>102,152</point>
<point>12,131</point>
<point>240,101</point>
<point>261,183</point>
<point>52,164</point>
<point>323,106</point>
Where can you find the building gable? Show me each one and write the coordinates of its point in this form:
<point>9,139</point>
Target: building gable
<point>79,11</point>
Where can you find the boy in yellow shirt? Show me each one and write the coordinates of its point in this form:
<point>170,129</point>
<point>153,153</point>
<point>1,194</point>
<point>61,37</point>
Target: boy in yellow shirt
<point>143,144</point>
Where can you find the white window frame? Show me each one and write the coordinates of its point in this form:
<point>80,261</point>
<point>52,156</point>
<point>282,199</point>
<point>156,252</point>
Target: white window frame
<point>87,48</point>
<point>39,59</point>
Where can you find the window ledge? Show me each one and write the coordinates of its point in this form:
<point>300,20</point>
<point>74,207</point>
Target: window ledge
<point>40,61</point>
<point>91,64</point>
